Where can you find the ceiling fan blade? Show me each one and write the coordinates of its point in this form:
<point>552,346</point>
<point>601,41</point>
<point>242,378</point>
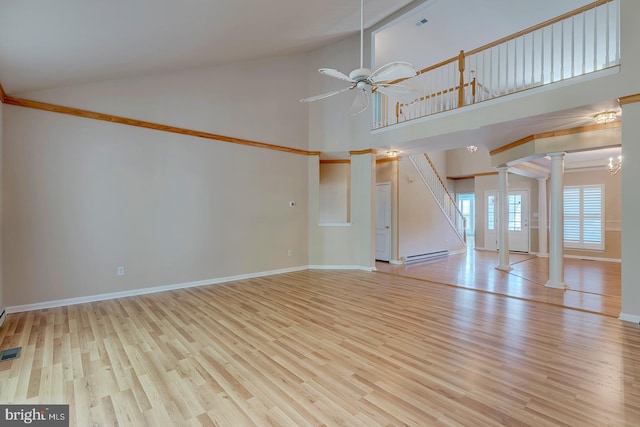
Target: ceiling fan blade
<point>360,103</point>
<point>393,71</point>
<point>395,91</point>
<point>335,74</point>
<point>326,95</point>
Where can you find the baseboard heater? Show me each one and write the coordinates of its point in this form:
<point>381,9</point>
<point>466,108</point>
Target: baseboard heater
<point>425,257</point>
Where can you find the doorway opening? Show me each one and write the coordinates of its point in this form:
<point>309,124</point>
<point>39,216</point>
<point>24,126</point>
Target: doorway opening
<point>467,205</point>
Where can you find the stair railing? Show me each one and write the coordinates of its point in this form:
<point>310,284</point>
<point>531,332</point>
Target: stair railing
<point>434,183</point>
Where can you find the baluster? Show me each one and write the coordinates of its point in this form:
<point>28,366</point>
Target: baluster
<point>607,37</point>
<point>552,75</point>
<point>584,42</point>
<point>595,39</point>
<point>461,71</point>
<point>515,65</point>
<point>533,58</point>
<point>573,47</point>
<point>617,4</point>
<point>562,50</point>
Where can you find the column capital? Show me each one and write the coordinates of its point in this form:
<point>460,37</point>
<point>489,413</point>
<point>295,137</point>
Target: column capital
<point>503,169</point>
<point>559,154</point>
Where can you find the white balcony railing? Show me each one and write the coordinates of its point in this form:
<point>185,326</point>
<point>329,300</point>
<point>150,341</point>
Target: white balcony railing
<point>580,42</point>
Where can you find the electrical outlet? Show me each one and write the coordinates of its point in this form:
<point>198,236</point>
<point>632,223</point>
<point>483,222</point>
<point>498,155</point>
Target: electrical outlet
<point>120,271</point>
<point>289,252</point>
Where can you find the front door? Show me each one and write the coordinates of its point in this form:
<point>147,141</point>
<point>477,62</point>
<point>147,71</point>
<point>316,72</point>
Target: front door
<point>383,221</point>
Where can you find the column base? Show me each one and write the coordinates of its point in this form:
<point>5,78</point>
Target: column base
<point>556,285</point>
<point>543,255</point>
<point>506,268</point>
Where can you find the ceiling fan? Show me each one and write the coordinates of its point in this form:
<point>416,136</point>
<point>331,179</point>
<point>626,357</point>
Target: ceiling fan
<point>364,80</point>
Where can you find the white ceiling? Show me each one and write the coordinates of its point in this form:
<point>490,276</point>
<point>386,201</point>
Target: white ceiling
<point>50,43</point>
<point>460,24</point>
<point>53,43</point>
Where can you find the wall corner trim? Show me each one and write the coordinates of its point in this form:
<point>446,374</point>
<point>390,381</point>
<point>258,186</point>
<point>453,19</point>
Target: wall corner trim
<point>633,318</point>
<point>3,95</point>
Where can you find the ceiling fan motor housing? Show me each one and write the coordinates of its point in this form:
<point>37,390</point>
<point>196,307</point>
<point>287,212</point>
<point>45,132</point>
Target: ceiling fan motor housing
<point>360,74</point>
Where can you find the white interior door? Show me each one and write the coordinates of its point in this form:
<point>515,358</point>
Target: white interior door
<point>518,224</point>
<point>518,220</point>
<point>383,221</point>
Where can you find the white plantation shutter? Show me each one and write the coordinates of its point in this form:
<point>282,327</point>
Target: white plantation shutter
<point>584,217</point>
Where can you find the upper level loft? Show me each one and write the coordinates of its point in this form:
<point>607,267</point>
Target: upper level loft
<point>574,44</point>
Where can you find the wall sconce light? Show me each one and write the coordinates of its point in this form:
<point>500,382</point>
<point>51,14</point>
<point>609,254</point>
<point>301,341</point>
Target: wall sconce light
<point>606,117</point>
<point>472,148</point>
<point>614,168</point>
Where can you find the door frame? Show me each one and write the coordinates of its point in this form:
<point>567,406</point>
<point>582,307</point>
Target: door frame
<point>385,230</point>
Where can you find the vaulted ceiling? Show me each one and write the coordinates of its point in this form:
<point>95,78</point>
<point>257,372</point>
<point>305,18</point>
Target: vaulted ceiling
<point>45,43</point>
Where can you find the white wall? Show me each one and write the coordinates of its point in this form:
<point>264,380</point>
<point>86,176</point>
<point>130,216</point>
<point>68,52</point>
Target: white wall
<point>2,306</point>
<point>331,128</point>
<point>335,184</point>
<point>630,213</point>
<point>460,162</point>
<point>422,227</point>
<point>83,197</point>
<point>257,100</point>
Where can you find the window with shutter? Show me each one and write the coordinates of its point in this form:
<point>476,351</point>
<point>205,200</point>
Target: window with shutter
<point>584,217</point>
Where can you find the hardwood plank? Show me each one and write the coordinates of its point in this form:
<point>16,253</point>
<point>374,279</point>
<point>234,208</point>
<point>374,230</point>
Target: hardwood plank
<point>594,286</point>
<point>331,348</point>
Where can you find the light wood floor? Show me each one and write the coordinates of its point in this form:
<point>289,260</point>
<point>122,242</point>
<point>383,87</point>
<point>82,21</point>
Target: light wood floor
<point>325,348</point>
<point>593,286</point>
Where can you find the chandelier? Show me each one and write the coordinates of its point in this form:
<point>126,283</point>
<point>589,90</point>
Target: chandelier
<point>472,148</point>
<point>614,168</point>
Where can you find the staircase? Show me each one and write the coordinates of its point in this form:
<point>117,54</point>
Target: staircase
<point>434,183</point>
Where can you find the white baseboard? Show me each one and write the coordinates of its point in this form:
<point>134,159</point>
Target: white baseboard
<point>633,318</point>
<point>458,252</point>
<point>144,291</point>
<point>594,258</point>
<point>340,267</point>
<point>396,262</point>
<point>3,316</point>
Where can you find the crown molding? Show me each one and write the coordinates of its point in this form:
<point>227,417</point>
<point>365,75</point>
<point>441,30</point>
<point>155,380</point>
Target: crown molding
<point>334,161</point>
<point>148,125</point>
<point>629,99</point>
<point>367,151</point>
<point>551,134</point>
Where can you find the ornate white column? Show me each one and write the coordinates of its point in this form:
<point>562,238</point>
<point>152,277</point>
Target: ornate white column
<point>503,219</point>
<point>542,218</point>
<point>556,223</point>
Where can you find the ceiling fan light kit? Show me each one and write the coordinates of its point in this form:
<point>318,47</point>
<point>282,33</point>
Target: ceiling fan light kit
<point>366,81</point>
